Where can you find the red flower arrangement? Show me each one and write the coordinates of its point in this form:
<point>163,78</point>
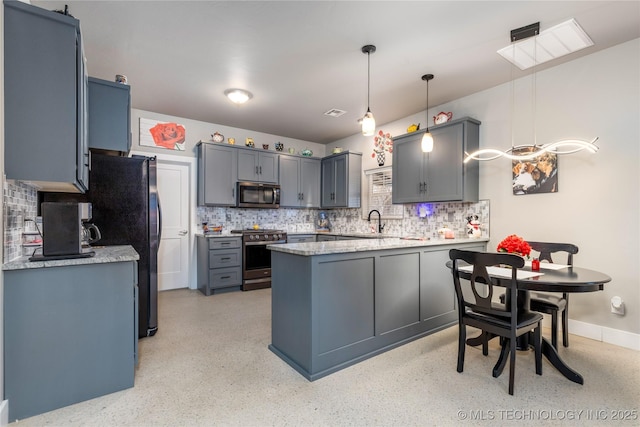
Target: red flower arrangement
<point>515,245</point>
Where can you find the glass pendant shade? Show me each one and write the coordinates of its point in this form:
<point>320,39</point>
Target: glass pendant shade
<point>368,124</point>
<point>427,142</point>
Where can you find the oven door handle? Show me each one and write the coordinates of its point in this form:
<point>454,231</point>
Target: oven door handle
<point>264,243</point>
<point>255,243</point>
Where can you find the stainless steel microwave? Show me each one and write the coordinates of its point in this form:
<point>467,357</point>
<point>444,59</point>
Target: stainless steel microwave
<point>257,195</point>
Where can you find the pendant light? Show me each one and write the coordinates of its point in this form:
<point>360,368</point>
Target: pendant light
<point>427,138</point>
<point>368,122</point>
<point>526,152</point>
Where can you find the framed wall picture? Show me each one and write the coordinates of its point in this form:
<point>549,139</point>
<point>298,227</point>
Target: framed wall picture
<point>539,175</point>
<point>169,135</point>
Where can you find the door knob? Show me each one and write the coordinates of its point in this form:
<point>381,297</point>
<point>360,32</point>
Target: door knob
<point>183,232</point>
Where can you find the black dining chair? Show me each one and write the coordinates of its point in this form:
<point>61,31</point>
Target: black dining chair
<point>476,308</point>
<point>549,302</point>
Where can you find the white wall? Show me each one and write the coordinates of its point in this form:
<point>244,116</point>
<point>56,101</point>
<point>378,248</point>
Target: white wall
<point>196,131</point>
<point>597,205</point>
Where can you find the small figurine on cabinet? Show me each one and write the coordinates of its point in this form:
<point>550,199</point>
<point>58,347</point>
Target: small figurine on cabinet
<point>473,227</point>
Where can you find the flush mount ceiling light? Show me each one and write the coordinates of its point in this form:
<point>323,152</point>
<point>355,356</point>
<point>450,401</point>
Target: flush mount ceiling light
<point>552,43</point>
<point>531,151</point>
<point>238,96</point>
<point>427,138</point>
<point>368,122</point>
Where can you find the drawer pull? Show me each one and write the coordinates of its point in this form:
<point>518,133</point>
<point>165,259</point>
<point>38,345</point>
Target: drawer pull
<point>225,277</point>
<point>225,259</point>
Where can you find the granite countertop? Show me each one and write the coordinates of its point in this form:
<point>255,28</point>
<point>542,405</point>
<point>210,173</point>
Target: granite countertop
<point>104,254</point>
<point>363,245</point>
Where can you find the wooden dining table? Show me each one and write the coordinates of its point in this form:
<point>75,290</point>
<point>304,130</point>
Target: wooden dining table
<point>554,278</point>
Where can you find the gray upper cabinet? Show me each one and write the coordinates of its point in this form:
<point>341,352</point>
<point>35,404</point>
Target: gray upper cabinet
<point>109,115</point>
<point>217,174</point>
<point>441,175</point>
<point>256,166</point>
<point>45,95</point>
<point>299,179</point>
<point>341,179</point>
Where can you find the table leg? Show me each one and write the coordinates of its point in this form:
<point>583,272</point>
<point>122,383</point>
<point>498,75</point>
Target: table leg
<point>554,358</point>
<point>502,359</point>
<point>476,341</point>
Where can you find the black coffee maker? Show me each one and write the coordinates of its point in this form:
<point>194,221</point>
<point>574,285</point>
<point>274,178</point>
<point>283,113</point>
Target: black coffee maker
<point>63,228</point>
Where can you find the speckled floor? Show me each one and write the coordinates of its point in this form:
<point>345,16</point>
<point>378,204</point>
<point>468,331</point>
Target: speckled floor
<point>209,365</point>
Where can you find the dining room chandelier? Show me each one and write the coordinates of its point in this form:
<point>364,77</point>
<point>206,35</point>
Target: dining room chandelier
<point>526,152</point>
<point>368,121</point>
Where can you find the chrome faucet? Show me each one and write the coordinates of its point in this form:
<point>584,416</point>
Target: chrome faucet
<point>380,225</point>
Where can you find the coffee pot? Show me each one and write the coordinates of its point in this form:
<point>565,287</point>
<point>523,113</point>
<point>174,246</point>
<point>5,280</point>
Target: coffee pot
<point>90,233</point>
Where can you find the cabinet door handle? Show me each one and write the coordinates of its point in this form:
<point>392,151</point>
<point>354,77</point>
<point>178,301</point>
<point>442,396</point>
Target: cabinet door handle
<point>260,170</point>
<point>419,187</point>
<point>425,186</point>
<point>301,196</point>
<point>256,170</point>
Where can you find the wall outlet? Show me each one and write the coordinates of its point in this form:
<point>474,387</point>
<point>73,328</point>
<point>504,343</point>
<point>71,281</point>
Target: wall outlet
<point>617,306</point>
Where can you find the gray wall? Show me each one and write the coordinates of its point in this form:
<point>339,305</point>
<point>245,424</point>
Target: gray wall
<point>597,205</point>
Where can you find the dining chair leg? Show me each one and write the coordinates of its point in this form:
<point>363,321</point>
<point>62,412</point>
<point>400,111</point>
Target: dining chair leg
<point>554,329</point>
<point>461,346</point>
<point>565,322</point>
<point>512,363</point>
<point>485,343</point>
<point>538,349</point>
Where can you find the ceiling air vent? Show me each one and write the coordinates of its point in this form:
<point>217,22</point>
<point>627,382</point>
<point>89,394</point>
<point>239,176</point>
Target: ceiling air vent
<point>334,112</point>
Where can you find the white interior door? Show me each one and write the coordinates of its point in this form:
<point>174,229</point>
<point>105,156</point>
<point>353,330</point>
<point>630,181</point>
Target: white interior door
<point>173,255</point>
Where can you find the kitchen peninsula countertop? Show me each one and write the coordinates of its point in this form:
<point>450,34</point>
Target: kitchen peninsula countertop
<point>104,254</point>
<point>365,244</point>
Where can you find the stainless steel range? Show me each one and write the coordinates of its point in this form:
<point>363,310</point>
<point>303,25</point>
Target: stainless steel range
<point>256,258</point>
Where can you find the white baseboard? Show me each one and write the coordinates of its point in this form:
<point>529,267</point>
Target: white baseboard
<point>4,413</point>
<point>599,333</point>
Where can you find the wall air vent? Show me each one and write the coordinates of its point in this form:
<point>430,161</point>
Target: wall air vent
<point>334,112</point>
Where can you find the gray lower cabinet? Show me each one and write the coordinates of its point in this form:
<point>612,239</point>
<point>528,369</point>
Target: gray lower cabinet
<point>332,311</point>
<point>299,179</point>
<point>70,334</point>
<point>109,115</point>
<point>301,238</point>
<point>441,175</point>
<point>257,166</point>
<point>45,99</point>
<point>219,264</point>
<point>341,178</point>
<point>217,174</point>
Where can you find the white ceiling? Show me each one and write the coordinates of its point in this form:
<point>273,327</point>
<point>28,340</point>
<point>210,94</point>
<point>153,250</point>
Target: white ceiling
<point>302,58</point>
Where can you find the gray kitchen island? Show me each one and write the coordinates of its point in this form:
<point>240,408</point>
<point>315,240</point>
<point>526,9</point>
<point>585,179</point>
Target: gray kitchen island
<point>337,303</point>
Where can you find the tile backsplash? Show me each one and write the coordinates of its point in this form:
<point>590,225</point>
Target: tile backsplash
<point>20,205</point>
<point>421,219</point>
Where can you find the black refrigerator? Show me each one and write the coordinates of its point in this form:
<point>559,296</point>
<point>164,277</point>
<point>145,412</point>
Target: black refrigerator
<point>124,196</point>
<point>125,207</point>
